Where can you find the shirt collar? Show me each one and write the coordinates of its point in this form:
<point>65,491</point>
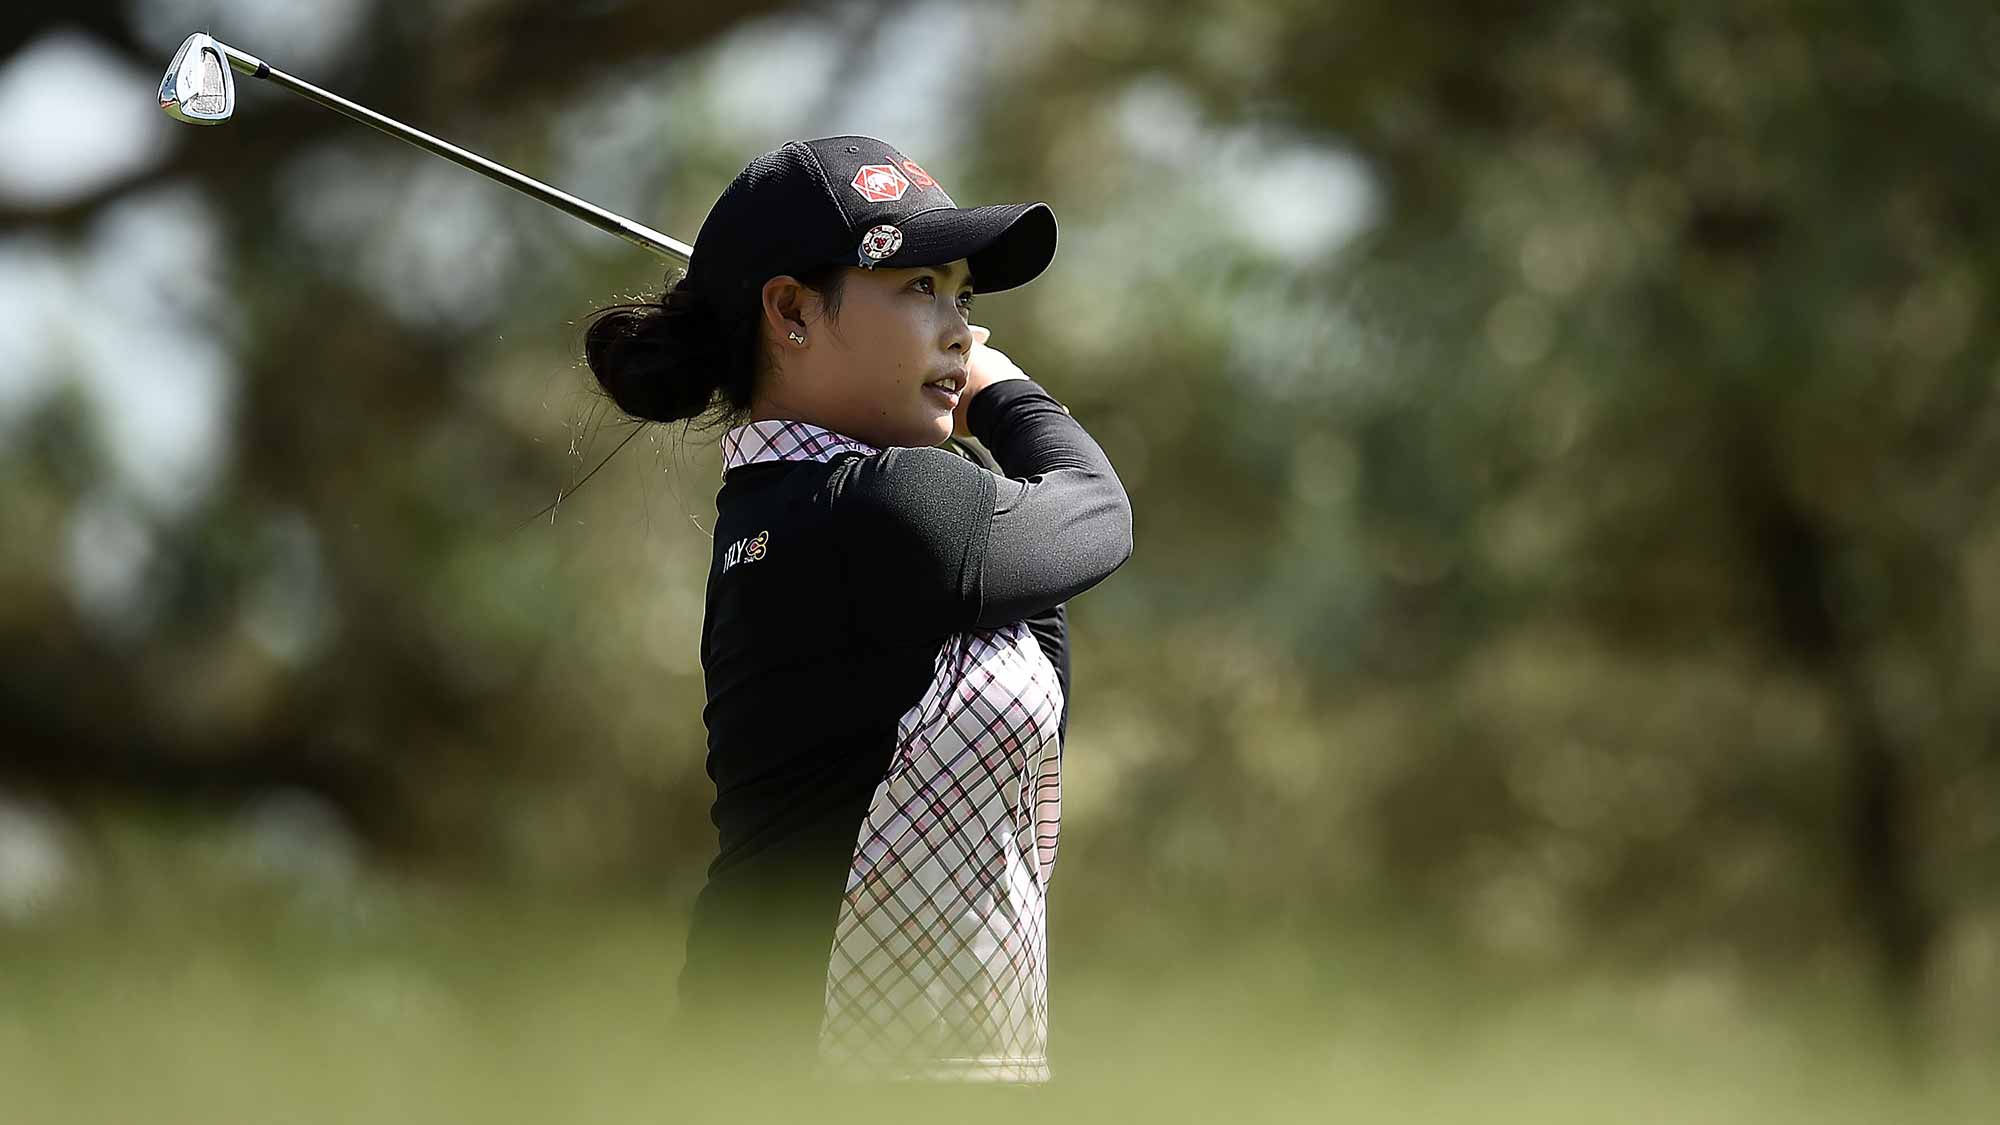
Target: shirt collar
<point>782,439</point>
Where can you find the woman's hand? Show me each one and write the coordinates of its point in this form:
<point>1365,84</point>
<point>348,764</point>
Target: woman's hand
<point>983,367</point>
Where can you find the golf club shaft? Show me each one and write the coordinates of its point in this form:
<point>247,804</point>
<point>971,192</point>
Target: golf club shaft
<point>635,233</point>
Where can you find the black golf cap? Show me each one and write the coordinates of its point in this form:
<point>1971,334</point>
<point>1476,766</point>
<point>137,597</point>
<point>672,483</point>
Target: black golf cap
<point>856,201</point>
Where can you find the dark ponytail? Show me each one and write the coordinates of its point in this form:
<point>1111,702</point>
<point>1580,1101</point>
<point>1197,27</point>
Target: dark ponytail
<point>664,360</point>
<point>682,356</point>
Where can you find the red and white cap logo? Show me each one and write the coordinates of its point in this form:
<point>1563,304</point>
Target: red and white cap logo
<point>918,176</point>
<point>881,183</point>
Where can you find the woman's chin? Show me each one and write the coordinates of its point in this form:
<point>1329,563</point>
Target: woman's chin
<point>938,429</point>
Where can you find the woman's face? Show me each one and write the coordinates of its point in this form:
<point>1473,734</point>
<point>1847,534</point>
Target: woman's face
<point>863,371</point>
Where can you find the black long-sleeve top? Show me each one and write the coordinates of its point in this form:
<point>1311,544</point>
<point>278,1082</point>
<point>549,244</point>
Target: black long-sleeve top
<point>887,665</point>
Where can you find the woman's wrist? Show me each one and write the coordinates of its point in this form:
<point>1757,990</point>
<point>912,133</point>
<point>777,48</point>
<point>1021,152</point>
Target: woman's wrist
<point>989,412</point>
<point>974,387</point>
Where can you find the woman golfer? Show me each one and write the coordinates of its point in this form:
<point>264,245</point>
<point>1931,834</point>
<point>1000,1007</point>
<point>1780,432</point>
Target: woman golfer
<point>884,643</point>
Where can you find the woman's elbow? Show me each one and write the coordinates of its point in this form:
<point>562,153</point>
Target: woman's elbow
<point>1102,520</point>
<point>1120,519</point>
<point>1128,532</point>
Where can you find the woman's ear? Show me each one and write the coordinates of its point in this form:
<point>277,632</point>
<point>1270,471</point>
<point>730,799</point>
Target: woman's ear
<point>786,306</point>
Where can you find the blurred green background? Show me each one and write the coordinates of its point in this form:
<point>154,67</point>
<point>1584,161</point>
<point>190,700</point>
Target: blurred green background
<point>1558,677</point>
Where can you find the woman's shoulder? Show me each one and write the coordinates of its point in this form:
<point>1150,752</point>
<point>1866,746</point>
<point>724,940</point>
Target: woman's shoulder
<point>908,481</point>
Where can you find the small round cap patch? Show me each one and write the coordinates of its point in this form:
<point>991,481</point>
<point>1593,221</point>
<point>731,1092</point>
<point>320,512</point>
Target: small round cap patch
<point>880,242</point>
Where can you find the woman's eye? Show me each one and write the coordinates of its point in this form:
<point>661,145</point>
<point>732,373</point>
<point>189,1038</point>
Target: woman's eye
<point>928,285</point>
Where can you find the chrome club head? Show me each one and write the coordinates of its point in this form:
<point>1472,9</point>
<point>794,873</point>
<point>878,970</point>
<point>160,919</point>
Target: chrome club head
<point>198,88</point>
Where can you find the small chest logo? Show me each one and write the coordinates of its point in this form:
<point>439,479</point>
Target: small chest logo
<point>745,550</point>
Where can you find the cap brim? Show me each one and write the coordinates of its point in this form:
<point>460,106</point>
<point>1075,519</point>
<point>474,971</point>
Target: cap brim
<point>1006,244</point>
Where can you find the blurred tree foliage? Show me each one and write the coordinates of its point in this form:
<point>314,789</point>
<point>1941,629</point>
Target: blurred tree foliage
<point>1594,559</point>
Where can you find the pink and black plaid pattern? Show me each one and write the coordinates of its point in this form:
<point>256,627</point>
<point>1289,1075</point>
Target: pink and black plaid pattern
<point>939,967</point>
<point>778,439</point>
<point>939,963</point>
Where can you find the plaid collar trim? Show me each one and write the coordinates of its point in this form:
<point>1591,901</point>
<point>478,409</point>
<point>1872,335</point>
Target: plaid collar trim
<point>780,439</point>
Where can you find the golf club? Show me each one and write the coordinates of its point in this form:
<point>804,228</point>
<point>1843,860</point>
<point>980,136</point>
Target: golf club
<point>199,89</point>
